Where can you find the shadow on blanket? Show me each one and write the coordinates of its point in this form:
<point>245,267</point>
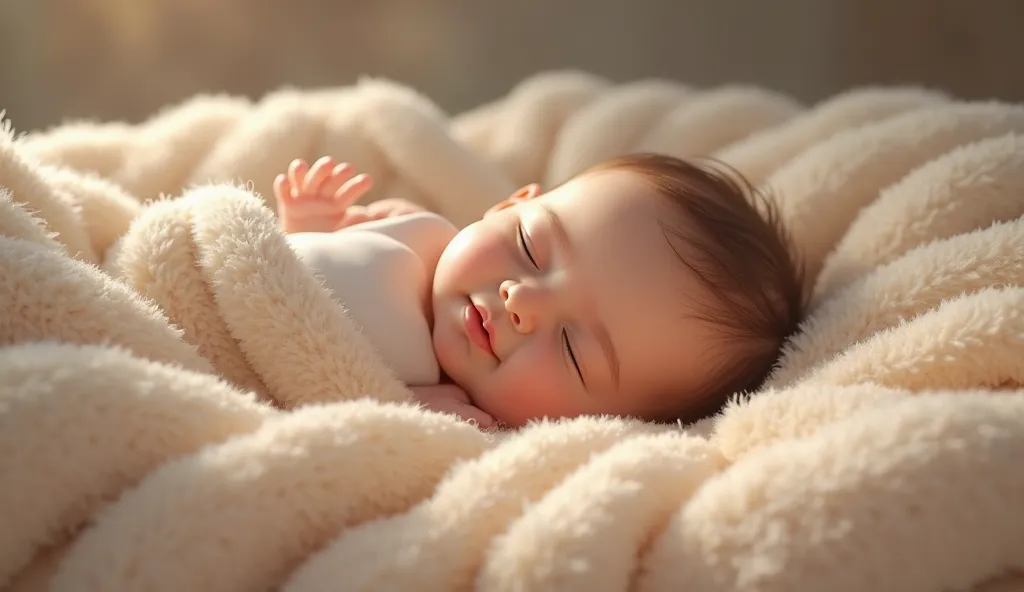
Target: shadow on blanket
<point>183,406</point>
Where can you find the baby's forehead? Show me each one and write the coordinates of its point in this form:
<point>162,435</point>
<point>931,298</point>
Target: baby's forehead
<point>608,202</point>
<point>640,276</point>
<point>625,241</point>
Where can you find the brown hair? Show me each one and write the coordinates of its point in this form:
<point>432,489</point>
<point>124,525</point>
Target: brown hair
<point>730,236</point>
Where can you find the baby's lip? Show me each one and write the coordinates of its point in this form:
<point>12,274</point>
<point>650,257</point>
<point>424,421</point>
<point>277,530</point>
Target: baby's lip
<point>485,316</point>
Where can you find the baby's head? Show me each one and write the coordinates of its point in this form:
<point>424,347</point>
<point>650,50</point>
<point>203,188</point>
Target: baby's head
<point>646,286</point>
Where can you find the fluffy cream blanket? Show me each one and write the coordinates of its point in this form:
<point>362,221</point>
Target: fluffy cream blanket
<point>183,407</point>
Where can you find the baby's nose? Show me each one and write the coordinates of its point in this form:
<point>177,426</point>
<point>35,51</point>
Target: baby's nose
<point>522,302</point>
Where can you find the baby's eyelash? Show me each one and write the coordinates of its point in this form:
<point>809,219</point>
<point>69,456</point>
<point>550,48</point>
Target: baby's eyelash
<point>526,249</point>
<point>568,350</point>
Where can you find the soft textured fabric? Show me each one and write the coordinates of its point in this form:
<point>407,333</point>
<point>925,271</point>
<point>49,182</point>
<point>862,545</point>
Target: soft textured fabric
<point>184,407</point>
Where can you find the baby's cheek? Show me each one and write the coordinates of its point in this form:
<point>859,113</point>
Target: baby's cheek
<point>467,245</point>
<point>472,255</point>
<point>528,388</point>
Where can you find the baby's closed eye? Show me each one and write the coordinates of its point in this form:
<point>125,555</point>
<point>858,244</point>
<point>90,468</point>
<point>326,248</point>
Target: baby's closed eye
<point>570,353</point>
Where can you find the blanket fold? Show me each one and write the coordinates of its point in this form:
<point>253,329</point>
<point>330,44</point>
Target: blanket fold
<point>518,131</point>
<point>63,391</point>
<point>444,538</point>
<point>27,184</point>
<point>739,111</point>
<point>823,189</point>
<point>906,457</point>
<point>217,263</point>
<point>298,495</point>
<point>967,188</point>
<point>540,551</point>
<point>768,149</point>
<point>47,296</point>
<point>900,291</point>
<point>972,340</point>
<point>183,404</point>
<point>632,110</point>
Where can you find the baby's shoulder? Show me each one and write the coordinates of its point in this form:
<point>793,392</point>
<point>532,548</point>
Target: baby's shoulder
<point>422,227</point>
<point>425,233</point>
<point>429,222</point>
<point>391,262</point>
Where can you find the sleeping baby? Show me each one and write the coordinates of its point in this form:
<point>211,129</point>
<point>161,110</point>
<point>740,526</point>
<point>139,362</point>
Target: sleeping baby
<point>646,286</point>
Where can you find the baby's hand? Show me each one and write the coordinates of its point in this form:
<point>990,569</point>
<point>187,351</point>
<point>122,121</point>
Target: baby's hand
<point>449,398</point>
<point>319,198</point>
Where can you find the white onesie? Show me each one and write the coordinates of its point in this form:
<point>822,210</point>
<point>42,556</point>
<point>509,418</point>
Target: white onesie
<point>385,286</point>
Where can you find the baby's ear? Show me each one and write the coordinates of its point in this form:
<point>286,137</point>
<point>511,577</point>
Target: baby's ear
<point>525,193</point>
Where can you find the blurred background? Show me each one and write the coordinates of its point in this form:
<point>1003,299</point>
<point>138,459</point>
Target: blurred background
<point>123,59</point>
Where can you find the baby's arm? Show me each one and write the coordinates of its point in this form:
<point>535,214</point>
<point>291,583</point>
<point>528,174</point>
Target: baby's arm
<point>320,199</point>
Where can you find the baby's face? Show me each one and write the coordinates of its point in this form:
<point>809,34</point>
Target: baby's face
<point>570,303</point>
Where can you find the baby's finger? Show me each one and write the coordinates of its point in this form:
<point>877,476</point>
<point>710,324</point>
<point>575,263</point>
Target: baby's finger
<point>297,173</point>
<point>341,173</point>
<point>282,187</point>
<point>356,187</point>
<point>353,215</point>
<point>318,174</point>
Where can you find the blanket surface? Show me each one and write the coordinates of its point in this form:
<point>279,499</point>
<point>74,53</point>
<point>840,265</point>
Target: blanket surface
<point>184,407</point>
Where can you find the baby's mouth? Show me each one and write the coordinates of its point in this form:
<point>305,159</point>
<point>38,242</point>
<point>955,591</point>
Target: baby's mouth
<point>475,321</point>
